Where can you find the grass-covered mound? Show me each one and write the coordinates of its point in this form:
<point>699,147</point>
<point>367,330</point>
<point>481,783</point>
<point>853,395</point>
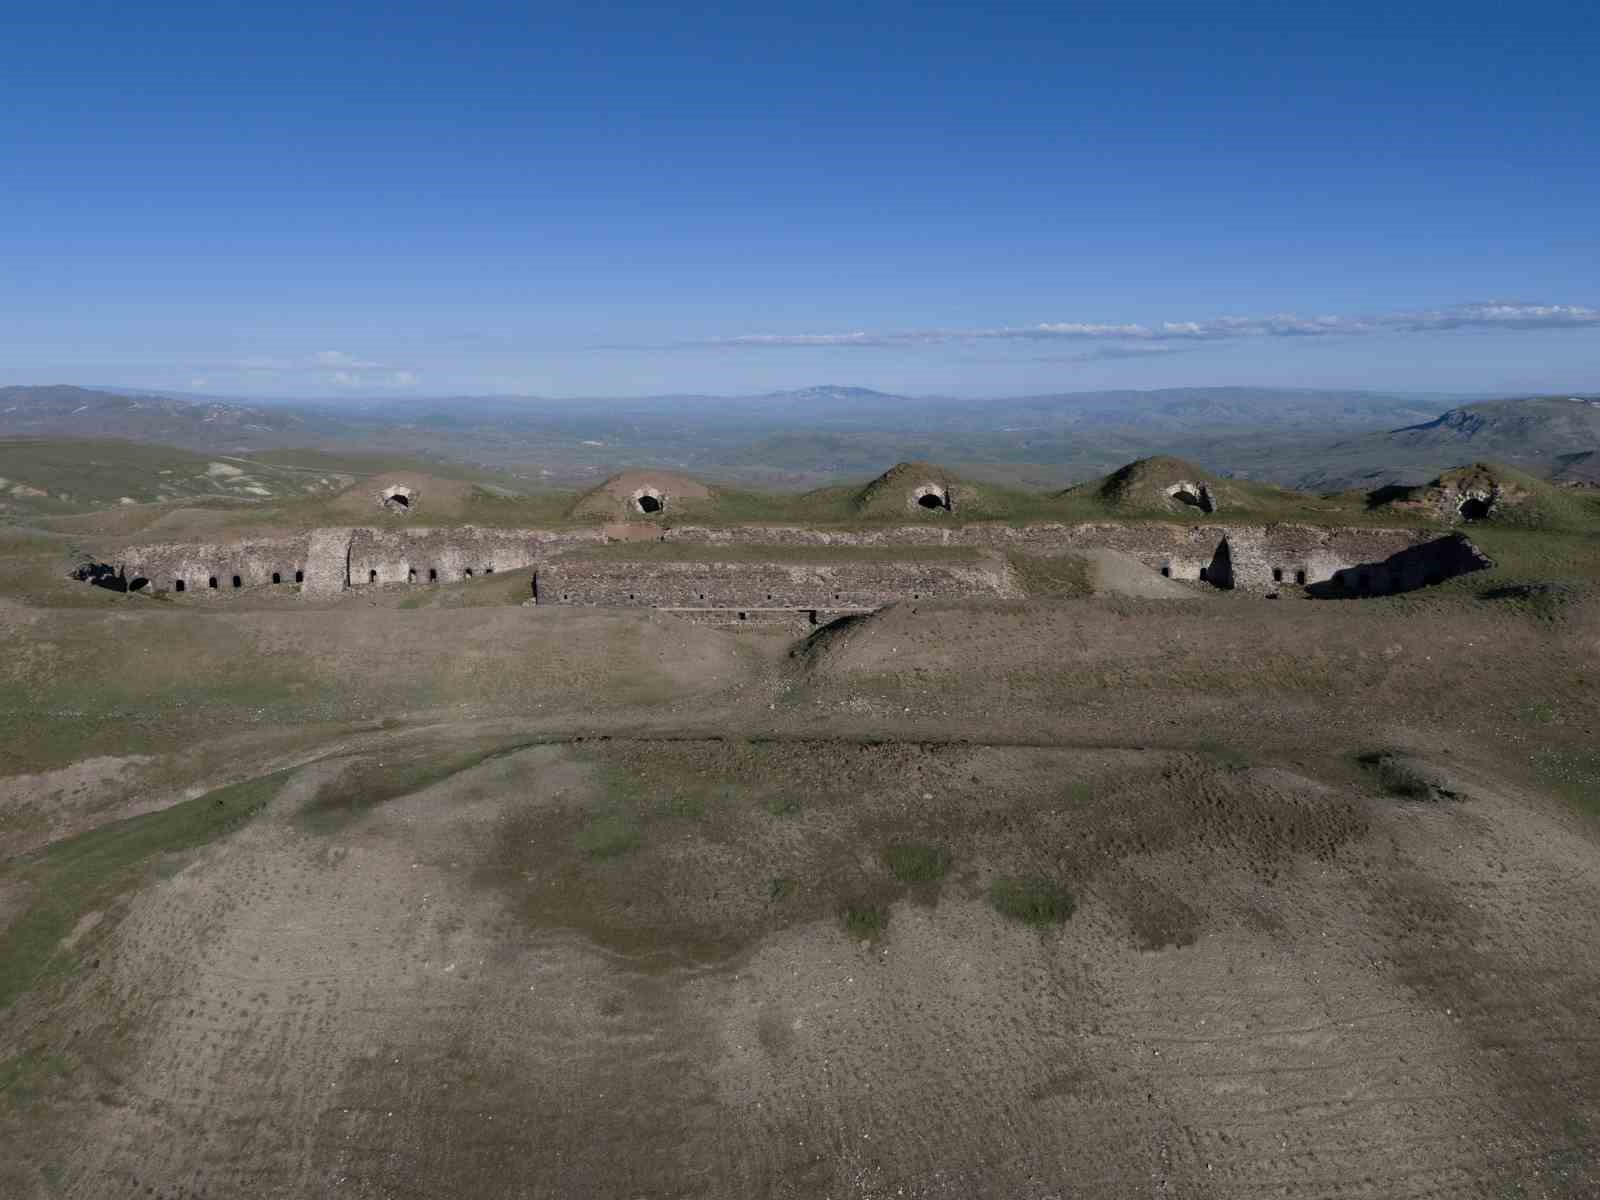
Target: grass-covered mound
<point>647,495</point>
<point>1173,487</point>
<point>920,491</point>
<point>1489,493</point>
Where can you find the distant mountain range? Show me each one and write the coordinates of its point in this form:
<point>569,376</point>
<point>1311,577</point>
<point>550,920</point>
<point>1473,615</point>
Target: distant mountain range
<point>1306,438</point>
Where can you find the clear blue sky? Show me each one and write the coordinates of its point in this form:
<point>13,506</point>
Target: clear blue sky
<point>603,199</point>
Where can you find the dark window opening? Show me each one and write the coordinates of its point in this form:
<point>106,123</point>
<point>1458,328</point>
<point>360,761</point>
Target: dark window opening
<point>564,596</point>
<point>1166,572</point>
<point>213,581</point>
<point>630,595</point>
<point>1203,575</point>
<point>742,616</point>
<point>237,582</point>
<point>177,585</point>
<point>488,570</point>
<point>433,574</point>
<point>1277,574</point>
<point>276,577</point>
<point>467,574</point>
<point>1300,578</point>
<point>372,575</point>
<point>411,575</point>
<point>932,500</point>
<point>649,504</point>
<point>299,576</point>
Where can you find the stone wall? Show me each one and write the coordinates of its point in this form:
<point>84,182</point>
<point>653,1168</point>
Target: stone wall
<point>753,585</point>
<point>326,561</point>
<point>1262,557</point>
<point>1256,558</point>
<point>448,555</point>
<point>224,565</point>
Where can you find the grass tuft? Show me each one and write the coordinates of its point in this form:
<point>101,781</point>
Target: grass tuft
<point>864,918</point>
<point>608,836</point>
<point>1036,902</point>
<point>916,864</point>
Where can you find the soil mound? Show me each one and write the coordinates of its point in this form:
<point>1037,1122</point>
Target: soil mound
<point>1174,486</point>
<point>927,491</point>
<point>1486,492</point>
<point>643,495</point>
<point>405,494</point>
<point>1113,573</point>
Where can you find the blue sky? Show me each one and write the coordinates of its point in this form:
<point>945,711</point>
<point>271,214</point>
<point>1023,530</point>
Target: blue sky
<point>609,199</point>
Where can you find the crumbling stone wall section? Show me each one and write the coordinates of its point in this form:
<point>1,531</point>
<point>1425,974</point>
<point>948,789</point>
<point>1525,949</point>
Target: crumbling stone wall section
<point>448,555</point>
<point>326,561</point>
<point>756,585</point>
<point>1255,558</point>
<point>252,562</point>
<point>1262,557</point>
<point>1413,567</point>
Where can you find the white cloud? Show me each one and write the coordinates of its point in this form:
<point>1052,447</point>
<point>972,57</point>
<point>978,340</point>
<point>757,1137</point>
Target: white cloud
<point>1494,315</point>
<point>338,358</point>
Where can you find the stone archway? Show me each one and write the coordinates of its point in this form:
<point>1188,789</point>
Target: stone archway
<point>649,500</point>
<point>931,497</point>
<point>398,498</point>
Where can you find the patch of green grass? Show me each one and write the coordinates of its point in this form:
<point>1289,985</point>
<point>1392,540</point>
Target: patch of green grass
<point>1036,902</point>
<point>1574,773</point>
<point>608,835</point>
<point>864,918</point>
<point>1054,576</point>
<point>73,878</point>
<point>364,785</point>
<point>911,863</point>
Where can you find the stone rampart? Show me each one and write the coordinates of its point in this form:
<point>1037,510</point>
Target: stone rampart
<point>753,585</point>
<point>1257,558</point>
<point>191,566</point>
<point>326,561</point>
<point>448,555</point>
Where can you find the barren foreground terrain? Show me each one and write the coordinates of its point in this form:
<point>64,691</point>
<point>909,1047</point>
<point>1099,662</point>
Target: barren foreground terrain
<point>1109,896</point>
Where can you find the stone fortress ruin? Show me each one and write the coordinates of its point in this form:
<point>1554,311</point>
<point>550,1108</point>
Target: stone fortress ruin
<point>628,554</point>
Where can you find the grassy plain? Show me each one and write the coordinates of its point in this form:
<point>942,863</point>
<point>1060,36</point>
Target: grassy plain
<point>423,892</point>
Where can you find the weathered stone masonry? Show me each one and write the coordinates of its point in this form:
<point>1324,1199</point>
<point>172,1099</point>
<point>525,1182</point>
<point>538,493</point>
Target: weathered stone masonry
<point>1263,559</point>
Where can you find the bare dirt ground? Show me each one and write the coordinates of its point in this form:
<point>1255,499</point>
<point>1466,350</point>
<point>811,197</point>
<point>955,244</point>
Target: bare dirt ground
<point>1107,897</point>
